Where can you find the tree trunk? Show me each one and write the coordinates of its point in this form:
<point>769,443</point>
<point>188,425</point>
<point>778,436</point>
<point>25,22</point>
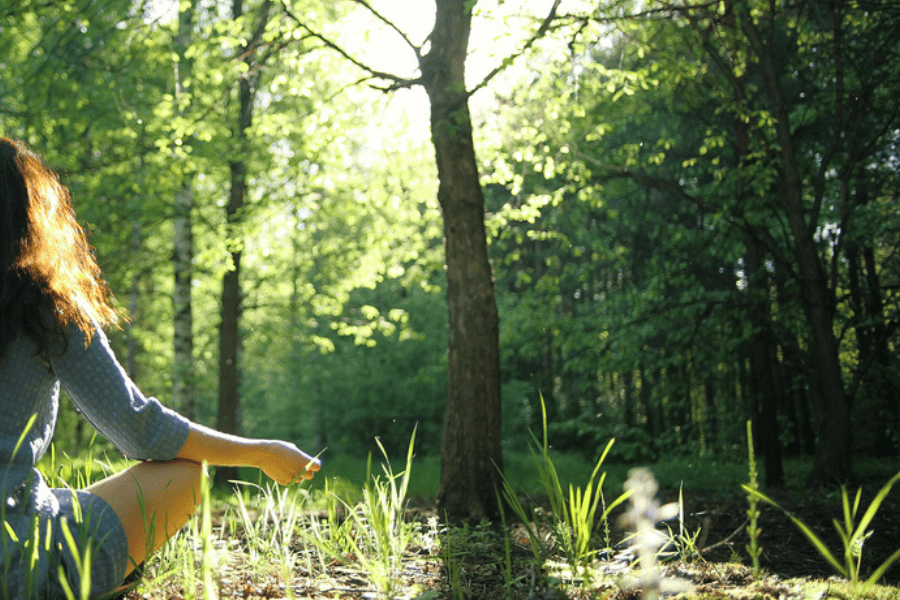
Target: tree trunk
<point>651,422</point>
<point>765,389</point>
<point>228,419</point>
<point>183,342</point>
<point>183,242</point>
<point>832,418</point>
<point>133,297</point>
<point>628,410</point>
<point>875,385</point>
<point>710,413</point>
<point>471,456</point>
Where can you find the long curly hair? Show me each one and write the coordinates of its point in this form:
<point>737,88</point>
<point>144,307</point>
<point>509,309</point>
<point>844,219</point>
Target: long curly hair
<point>49,279</point>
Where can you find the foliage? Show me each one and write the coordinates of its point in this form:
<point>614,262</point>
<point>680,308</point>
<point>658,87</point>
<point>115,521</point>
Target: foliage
<point>329,211</point>
<point>641,245</point>
<point>853,534</point>
<point>644,263</point>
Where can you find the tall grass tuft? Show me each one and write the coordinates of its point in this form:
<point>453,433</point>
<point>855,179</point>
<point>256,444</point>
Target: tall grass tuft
<point>375,532</point>
<point>574,514</point>
<point>269,526</point>
<point>753,530</point>
<point>853,534</point>
<point>210,592</point>
<point>331,537</point>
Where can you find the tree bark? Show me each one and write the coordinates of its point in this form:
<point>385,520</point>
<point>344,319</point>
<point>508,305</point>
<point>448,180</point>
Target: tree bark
<point>183,245</point>
<point>471,456</point>
<point>874,381</point>
<point>832,418</point>
<point>228,418</point>
<point>764,381</point>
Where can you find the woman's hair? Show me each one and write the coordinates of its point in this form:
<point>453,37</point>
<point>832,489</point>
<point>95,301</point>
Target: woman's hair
<point>49,279</point>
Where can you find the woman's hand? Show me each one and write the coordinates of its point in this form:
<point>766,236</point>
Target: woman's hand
<point>286,463</point>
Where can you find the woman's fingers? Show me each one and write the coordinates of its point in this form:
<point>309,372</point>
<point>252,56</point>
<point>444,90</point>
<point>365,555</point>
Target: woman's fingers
<point>288,463</point>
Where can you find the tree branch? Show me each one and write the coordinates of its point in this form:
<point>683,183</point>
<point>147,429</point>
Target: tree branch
<point>397,82</point>
<point>541,31</point>
<point>416,49</point>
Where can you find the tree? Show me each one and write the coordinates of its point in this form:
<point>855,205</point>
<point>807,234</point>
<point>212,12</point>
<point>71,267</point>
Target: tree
<point>228,418</point>
<point>471,456</point>
<point>128,137</point>
<point>96,76</point>
<point>738,229</point>
<point>794,65</point>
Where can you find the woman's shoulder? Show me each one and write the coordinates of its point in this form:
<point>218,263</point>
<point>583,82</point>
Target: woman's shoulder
<point>80,345</point>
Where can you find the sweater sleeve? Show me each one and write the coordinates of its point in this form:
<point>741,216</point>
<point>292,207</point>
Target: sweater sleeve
<point>140,426</point>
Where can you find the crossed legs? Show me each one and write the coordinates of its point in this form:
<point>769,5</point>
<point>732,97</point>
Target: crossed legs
<point>152,500</point>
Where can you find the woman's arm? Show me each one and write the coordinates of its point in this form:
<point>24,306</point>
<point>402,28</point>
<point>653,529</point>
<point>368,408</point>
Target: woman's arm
<point>282,461</point>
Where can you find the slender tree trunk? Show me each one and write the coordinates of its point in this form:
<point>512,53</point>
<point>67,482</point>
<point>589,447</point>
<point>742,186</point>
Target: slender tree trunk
<point>652,425</point>
<point>183,252</point>
<point>183,258</point>
<point>765,389</point>
<point>874,381</point>
<point>228,419</point>
<point>763,385</point>
<point>628,410</point>
<point>711,413</point>
<point>471,456</point>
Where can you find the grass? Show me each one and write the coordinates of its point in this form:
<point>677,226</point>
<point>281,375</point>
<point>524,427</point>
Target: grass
<point>351,534</point>
<point>853,532</point>
<point>574,515</point>
<point>696,474</point>
<point>753,548</point>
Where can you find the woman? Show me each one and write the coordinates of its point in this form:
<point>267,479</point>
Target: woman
<point>53,307</point>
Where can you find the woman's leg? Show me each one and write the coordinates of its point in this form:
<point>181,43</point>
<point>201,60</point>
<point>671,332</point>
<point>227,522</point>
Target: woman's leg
<point>153,500</point>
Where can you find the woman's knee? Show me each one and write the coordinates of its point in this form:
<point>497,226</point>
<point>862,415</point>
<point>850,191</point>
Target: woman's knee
<point>152,500</point>
<point>174,481</point>
<point>193,479</point>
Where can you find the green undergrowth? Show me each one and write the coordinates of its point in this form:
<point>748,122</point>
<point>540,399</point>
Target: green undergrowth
<point>697,474</point>
<point>350,534</point>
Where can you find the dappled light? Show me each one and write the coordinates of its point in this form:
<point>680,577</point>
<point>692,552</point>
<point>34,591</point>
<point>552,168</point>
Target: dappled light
<point>570,299</point>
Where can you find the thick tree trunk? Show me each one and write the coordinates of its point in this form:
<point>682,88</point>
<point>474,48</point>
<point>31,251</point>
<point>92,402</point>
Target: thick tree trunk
<point>471,456</point>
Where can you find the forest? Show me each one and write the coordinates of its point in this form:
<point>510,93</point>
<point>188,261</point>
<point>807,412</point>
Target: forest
<point>340,222</point>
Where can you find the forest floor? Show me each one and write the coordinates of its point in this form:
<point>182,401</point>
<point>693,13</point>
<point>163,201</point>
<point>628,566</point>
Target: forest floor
<point>472,563</point>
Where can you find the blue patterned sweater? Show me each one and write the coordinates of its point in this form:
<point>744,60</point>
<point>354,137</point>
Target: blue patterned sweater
<point>141,427</point>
